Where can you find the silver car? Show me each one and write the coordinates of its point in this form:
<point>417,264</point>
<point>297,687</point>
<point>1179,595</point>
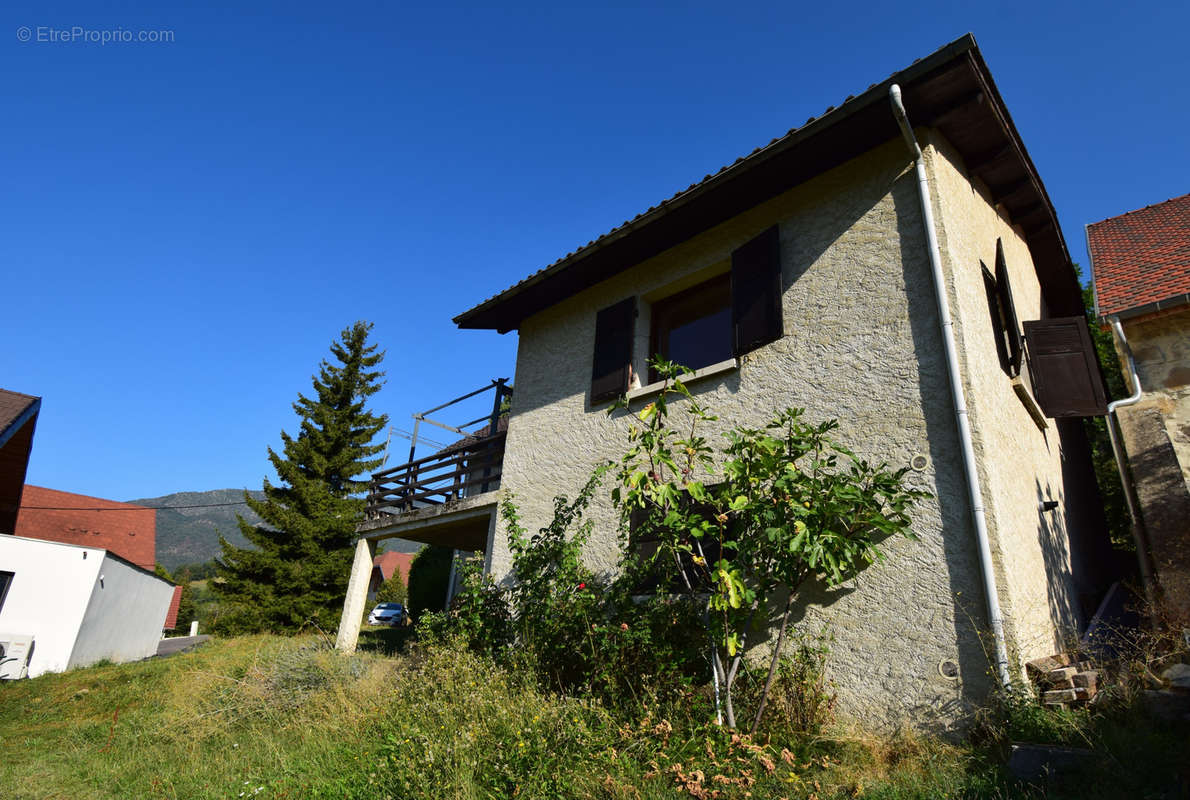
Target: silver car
<point>392,614</point>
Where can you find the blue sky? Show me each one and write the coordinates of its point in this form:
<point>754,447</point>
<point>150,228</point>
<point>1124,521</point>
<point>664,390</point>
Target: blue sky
<point>187,225</point>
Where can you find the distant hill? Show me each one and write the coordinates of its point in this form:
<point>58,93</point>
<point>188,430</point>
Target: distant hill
<point>189,525</point>
<point>191,535</point>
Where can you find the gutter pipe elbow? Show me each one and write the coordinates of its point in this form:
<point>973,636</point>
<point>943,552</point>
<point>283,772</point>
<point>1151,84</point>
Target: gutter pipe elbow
<point>1142,551</point>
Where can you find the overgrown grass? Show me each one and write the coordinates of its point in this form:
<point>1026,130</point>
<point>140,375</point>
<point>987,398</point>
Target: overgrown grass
<point>273,717</point>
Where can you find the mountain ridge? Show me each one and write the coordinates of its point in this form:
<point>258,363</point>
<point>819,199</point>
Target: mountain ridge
<point>189,525</point>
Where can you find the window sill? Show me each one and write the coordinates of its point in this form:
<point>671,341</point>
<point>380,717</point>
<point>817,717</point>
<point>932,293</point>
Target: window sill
<point>1029,403</point>
<point>729,365</point>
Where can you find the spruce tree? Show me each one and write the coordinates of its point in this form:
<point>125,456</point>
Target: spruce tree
<point>297,571</point>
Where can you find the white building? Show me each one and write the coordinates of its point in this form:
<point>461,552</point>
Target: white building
<point>79,604</point>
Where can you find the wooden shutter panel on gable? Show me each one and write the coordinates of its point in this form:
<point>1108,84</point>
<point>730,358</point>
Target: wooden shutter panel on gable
<point>756,317</point>
<point>614,331</point>
<point>1065,371</point>
<point>1008,308</point>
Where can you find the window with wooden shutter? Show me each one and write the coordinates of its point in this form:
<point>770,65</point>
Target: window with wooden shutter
<point>693,327</point>
<point>1012,327</point>
<point>615,327</point>
<point>756,293</point>
<point>1005,326</point>
<point>1065,372</point>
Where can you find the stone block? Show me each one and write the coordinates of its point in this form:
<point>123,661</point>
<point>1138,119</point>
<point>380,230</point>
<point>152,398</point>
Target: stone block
<point>1178,676</point>
<point>1167,705</point>
<point>1038,668</point>
<point>1035,762</point>
<point>1059,696</point>
<point>1060,678</point>
<point>1086,680</point>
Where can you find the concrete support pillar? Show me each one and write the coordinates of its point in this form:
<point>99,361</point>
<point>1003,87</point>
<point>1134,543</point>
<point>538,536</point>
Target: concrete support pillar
<point>357,596</point>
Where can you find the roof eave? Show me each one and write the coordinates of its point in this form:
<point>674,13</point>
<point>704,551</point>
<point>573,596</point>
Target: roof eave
<point>508,309</point>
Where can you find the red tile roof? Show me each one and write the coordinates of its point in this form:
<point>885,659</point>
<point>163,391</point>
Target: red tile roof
<point>171,616</point>
<point>390,561</point>
<point>1141,257</point>
<point>127,530</point>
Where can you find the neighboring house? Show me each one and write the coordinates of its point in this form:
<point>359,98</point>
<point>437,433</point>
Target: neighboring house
<point>384,566</point>
<point>76,586</point>
<point>129,531</point>
<point>18,419</point>
<point>1140,262</point>
<point>79,604</point>
<point>803,275</point>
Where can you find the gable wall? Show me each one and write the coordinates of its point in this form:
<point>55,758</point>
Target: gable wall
<point>51,586</point>
<point>1046,562</point>
<point>125,615</point>
<point>861,344</point>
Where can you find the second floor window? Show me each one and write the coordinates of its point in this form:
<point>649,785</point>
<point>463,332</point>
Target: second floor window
<point>693,327</point>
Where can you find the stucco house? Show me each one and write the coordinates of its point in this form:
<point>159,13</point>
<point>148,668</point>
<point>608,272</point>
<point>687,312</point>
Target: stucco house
<point>1140,262</point>
<point>867,266</point>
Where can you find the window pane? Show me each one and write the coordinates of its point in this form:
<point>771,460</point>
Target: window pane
<point>5,582</point>
<point>693,328</point>
<point>702,341</point>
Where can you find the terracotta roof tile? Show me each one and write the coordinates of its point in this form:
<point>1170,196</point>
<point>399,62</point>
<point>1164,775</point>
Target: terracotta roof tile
<point>171,616</point>
<point>129,531</point>
<point>1141,257</point>
<point>392,561</point>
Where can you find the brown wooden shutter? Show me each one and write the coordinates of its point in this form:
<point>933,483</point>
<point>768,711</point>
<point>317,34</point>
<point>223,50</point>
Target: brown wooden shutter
<point>614,330</point>
<point>756,317</point>
<point>1011,325</point>
<point>1065,372</point>
<point>992,290</point>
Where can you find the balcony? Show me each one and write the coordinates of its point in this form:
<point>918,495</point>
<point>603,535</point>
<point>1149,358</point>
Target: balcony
<point>447,498</point>
<point>465,469</point>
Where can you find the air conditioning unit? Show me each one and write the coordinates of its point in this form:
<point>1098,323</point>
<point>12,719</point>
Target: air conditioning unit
<point>15,652</point>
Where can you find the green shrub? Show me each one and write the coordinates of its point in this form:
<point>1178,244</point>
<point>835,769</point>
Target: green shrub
<point>801,701</point>
<point>428,576</point>
<point>393,590</point>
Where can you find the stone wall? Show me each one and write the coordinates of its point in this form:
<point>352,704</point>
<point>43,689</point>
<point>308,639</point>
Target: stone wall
<point>1156,434</point>
<point>1161,347</point>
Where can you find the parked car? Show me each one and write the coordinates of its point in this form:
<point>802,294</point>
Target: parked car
<point>393,614</point>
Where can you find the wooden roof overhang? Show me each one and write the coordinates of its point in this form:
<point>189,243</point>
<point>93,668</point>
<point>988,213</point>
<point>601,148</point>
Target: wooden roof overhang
<point>18,420</point>
<point>951,90</point>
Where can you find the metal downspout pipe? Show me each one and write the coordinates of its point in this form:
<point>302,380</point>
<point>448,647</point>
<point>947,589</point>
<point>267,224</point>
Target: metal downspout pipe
<point>1142,555</point>
<point>995,619</point>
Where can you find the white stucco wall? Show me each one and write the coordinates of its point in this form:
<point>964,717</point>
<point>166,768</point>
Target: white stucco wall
<point>125,615</point>
<point>861,344</point>
<point>1021,465</point>
<point>57,596</point>
<point>50,589</point>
